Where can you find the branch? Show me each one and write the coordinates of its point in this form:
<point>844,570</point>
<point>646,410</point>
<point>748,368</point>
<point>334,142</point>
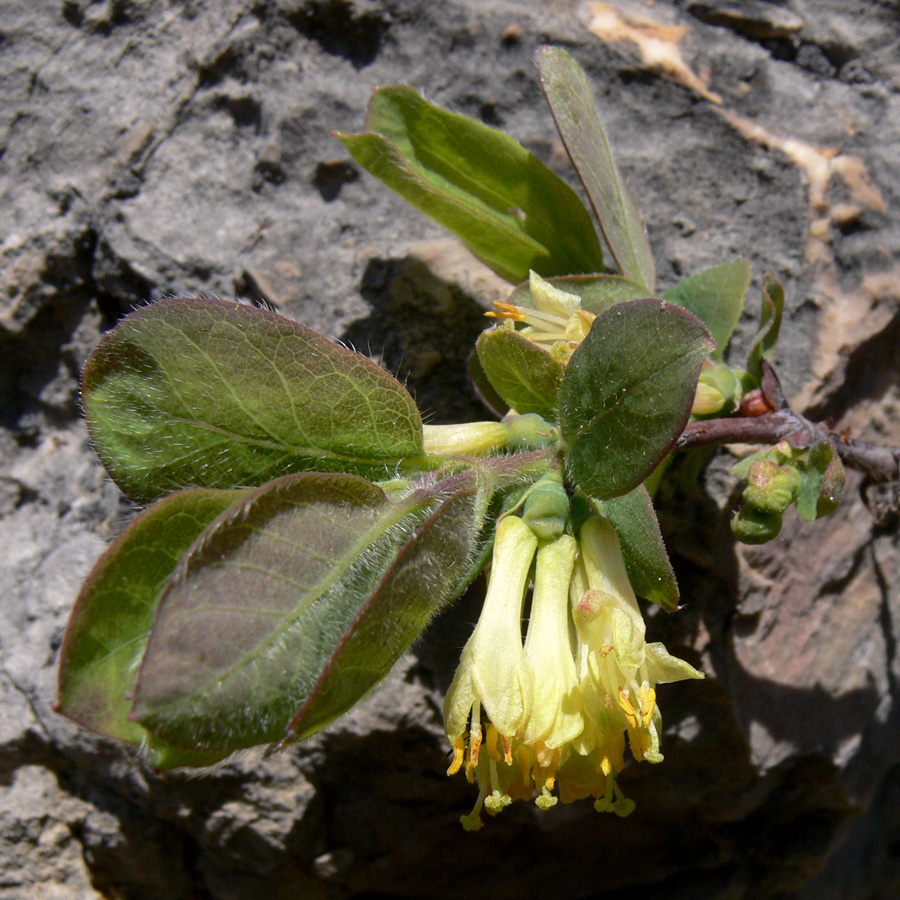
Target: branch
<point>879,463</point>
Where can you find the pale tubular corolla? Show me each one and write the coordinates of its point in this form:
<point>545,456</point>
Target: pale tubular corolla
<point>491,674</point>
<point>618,670</point>
<point>558,710</point>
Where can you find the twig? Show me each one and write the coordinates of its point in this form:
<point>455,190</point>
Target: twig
<point>879,463</point>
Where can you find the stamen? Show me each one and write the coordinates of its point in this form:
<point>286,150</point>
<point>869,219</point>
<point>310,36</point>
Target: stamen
<point>474,746</point>
<point>459,750</point>
<point>491,743</point>
<point>523,769</point>
<point>507,749</point>
<point>538,337</point>
<point>648,703</point>
<point>475,735</point>
<point>628,708</point>
<point>507,311</point>
<point>546,318</point>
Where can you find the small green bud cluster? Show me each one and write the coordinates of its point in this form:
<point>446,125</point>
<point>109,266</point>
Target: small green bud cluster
<point>779,476</point>
<point>770,490</point>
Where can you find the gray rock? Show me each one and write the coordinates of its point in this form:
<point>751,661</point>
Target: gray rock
<point>151,149</point>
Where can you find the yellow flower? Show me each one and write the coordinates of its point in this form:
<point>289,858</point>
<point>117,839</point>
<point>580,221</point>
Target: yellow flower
<point>556,719</point>
<point>558,710</point>
<point>556,322</point>
<point>618,670</point>
<point>491,674</point>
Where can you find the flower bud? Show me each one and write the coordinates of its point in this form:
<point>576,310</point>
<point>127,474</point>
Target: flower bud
<point>470,439</point>
<point>547,509</point>
<point>719,391</point>
<point>771,488</point>
<point>528,432</point>
<point>754,526</point>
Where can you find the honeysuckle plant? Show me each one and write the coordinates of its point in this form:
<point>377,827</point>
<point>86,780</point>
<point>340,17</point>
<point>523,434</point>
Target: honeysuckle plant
<point>303,526</point>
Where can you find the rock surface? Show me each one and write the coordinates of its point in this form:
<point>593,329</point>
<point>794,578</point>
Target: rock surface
<point>164,147</point>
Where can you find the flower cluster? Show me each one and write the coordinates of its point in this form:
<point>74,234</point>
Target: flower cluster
<point>548,718</point>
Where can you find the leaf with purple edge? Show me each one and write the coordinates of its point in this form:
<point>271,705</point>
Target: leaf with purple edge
<point>627,393</point>
<point>256,614</point>
<point>113,615</point>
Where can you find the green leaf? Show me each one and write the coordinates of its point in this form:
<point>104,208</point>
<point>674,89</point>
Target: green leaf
<point>822,482</point>
<point>524,375</point>
<point>572,104</point>
<point>627,393</point>
<point>512,212</point>
<point>209,393</point>
<point>769,326</point>
<point>486,392</point>
<point>646,560</point>
<point>597,292</point>
<point>265,610</point>
<point>716,297</point>
<point>111,621</point>
<point>436,562</point>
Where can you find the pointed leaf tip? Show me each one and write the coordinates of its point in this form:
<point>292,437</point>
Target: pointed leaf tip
<point>512,212</point>
<point>571,101</point>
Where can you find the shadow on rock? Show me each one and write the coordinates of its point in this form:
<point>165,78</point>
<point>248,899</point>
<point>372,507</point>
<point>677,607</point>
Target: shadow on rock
<point>423,329</point>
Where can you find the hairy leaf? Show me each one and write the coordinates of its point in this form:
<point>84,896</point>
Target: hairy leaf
<point>597,292</point>
<point>508,207</point>
<point>209,393</point>
<point>627,393</point>
<point>526,376</point>
<point>572,104</point>
<point>112,618</point>
<point>646,560</point>
<point>262,614</point>
<point>769,326</point>
<point>716,297</point>
<point>434,563</point>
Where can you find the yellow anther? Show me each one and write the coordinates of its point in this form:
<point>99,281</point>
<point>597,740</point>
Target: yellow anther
<point>491,744</point>
<point>640,742</point>
<point>648,704</point>
<point>523,760</point>
<point>459,751</point>
<point>628,708</point>
<point>474,745</point>
<point>507,311</point>
<point>507,749</point>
